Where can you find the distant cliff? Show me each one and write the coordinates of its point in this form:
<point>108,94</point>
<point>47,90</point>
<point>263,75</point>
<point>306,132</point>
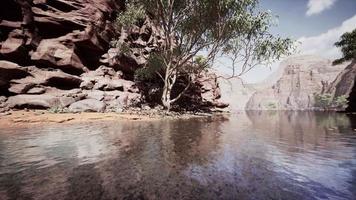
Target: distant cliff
<point>301,79</point>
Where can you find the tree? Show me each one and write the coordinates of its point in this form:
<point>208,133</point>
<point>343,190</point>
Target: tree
<point>347,43</point>
<point>326,101</point>
<point>323,101</point>
<point>192,28</point>
<point>341,102</point>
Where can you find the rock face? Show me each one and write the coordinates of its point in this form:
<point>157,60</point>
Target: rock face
<point>87,105</point>
<point>302,77</point>
<point>344,84</point>
<point>54,53</point>
<point>236,93</point>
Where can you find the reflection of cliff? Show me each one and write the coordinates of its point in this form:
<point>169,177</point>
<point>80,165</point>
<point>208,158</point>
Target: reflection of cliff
<point>301,128</point>
<point>277,155</point>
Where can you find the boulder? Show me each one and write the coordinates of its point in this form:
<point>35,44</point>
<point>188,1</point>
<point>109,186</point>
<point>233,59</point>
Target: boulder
<point>95,94</point>
<point>21,88</point>
<point>42,77</point>
<point>33,101</point>
<point>9,71</point>
<point>107,79</point>
<point>12,46</point>
<point>88,105</point>
<point>108,85</point>
<point>56,54</point>
<point>36,90</point>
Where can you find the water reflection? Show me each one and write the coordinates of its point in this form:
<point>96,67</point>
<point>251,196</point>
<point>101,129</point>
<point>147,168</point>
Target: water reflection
<point>257,155</point>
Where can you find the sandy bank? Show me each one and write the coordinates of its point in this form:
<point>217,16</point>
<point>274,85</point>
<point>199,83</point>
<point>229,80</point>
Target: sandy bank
<point>33,117</point>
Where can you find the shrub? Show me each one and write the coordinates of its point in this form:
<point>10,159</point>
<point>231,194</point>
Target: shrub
<point>327,101</point>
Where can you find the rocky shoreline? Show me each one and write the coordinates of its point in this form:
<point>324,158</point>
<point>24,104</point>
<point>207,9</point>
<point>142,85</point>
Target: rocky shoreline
<point>20,118</point>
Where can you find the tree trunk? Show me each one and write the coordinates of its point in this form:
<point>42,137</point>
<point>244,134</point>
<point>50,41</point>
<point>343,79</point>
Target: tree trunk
<point>169,81</point>
<point>166,97</point>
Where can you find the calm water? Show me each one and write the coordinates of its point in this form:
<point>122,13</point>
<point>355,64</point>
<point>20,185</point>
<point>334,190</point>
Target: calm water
<point>262,155</point>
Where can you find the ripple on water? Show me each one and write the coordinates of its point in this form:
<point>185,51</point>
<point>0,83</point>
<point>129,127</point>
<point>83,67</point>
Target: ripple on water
<point>257,155</point>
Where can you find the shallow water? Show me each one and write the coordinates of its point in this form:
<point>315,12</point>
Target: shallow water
<point>258,155</point>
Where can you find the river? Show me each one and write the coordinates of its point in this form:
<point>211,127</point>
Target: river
<point>257,155</point>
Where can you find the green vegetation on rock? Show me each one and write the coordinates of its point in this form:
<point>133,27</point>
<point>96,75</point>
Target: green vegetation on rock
<point>327,101</point>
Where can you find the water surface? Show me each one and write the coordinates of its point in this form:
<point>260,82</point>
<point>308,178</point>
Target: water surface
<point>258,155</point>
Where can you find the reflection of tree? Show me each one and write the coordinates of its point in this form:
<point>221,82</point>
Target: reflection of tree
<point>12,184</point>
<point>85,183</point>
<point>185,159</point>
<point>152,165</point>
<point>193,141</point>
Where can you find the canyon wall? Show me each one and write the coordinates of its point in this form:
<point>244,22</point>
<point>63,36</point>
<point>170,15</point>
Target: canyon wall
<point>344,84</point>
<point>302,78</point>
<point>57,54</point>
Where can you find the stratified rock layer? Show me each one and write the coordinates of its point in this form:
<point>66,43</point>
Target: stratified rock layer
<point>301,79</point>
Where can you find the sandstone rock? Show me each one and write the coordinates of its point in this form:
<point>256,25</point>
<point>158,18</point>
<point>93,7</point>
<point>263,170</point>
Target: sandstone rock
<point>66,101</point>
<point>36,90</point>
<point>301,78</point>
<point>33,101</point>
<point>69,39</point>
<point>52,52</point>
<point>108,85</point>
<point>21,88</point>
<point>9,71</point>
<point>87,84</point>
<point>64,39</point>
<point>235,92</point>
<point>39,77</point>
<point>117,99</point>
<point>95,94</point>
<point>210,90</point>
<point>112,95</point>
<point>3,99</point>
<point>87,105</point>
<point>3,103</point>
<point>344,84</point>
<point>107,79</point>
<point>12,46</point>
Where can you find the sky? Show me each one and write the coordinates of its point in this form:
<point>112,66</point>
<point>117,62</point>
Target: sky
<point>315,24</point>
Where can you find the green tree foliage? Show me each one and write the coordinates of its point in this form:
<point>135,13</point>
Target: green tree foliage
<point>233,28</point>
<point>327,101</point>
<point>133,13</point>
<point>271,106</point>
<point>347,43</point>
<point>341,102</point>
<point>323,100</point>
